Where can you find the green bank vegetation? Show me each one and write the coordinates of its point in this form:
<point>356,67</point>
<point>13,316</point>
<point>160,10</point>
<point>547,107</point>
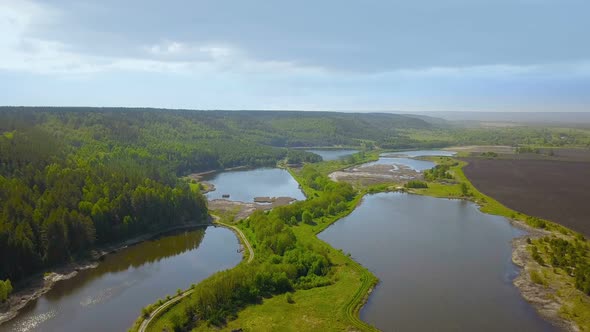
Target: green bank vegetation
<point>416,184</point>
<point>563,265</point>
<point>310,306</point>
<point>72,179</point>
<point>295,282</point>
<point>560,262</point>
<point>5,290</point>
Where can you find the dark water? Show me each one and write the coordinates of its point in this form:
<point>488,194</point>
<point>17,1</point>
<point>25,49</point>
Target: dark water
<point>443,265</point>
<point>244,185</point>
<point>405,158</point>
<point>333,154</point>
<point>110,297</point>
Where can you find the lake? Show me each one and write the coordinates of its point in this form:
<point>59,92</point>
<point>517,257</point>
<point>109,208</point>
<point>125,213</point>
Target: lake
<point>110,297</point>
<point>406,158</point>
<point>420,153</point>
<point>333,154</point>
<point>443,265</point>
<point>245,185</point>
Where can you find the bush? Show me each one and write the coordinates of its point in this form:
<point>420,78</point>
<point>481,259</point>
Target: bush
<point>438,172</point>
<point>571,257</point>
<point>5,290</point>
<point>416,184</point>
<point>536,222</point>
<point>465,191</point>
<point>537,278</point>
<point>537,257</point>
<point>145,312</point>
<point>290,299</point>
<point>489,154</point>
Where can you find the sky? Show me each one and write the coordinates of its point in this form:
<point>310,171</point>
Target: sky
<point>371,55</point>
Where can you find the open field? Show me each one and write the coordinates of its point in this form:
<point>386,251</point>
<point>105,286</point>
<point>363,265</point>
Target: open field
<point>549,189</point>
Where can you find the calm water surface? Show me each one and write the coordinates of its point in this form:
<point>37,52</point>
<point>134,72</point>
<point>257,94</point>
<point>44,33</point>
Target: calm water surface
<point>110,297</point>
<point>421,153</point>
<point>244,185</point>
<point>333,154</point>
<point>443,265</point>
<point>405,158</point>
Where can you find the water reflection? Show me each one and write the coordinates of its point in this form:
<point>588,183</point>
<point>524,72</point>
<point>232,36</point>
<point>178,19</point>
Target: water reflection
<point>443,265</point>
<point>110,297</point>
<point>333,154</point>
<point>245,185</point>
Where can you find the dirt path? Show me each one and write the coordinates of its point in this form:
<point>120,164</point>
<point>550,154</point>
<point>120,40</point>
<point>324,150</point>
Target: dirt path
<point>165,305</point>
<point>216,220</point>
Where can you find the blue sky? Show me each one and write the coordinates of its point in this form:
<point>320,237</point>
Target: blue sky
<point>455,55</point>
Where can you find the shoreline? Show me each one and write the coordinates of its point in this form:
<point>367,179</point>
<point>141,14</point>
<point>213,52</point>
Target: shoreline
<point>199,176</point>
<point>541,298</point>
<point>537,296</point>
<point>37,285</point>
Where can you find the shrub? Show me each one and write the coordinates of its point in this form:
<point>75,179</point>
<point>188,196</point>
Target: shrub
<point>537,278</point>
<point>145,312</point>
<point>489,154</point>
<point>537,257</point>
<point>536,222</point>
<point>290,299</point>
<point>416,184</point>
<point>5,290</point>
<point>465,190</point>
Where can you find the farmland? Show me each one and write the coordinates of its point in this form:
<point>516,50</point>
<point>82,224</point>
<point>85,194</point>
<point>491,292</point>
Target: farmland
<point>556,190</point>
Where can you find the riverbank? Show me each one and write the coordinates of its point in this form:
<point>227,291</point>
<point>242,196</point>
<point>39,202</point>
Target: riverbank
<point>36,286</point>
<point>336,306</point>
<point>331,304</point>
<point>548,298</point>
<point>153,312</point>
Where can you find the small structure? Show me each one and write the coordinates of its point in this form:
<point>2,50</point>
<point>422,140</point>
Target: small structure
<point>225,196</point>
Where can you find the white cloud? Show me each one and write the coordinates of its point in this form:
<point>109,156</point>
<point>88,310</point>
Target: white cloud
<point>21,52</point>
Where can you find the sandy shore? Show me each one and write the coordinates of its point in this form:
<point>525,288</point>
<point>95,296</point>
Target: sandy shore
<point>376,174</point>
<point>242,210</point>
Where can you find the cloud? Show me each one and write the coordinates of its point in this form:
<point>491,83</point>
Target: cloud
<point>28,45</point>
<point>376,55</point>
<point>21,52</point>
<point>177,49</point>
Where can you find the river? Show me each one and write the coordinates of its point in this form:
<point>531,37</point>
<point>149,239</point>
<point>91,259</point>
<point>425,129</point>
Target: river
<point>408,158</point>
<point>110,297</point>
<point>443,265</point>
<point>333,154</point>
<point>245,185</point>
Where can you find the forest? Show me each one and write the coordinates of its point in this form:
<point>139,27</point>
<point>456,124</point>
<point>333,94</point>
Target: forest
<point>75,178</point>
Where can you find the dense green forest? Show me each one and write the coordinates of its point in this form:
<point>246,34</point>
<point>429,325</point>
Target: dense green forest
<point>56,205</point>
<point>73,178</point>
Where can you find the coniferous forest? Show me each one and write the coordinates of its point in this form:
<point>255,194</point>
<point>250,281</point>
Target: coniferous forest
<point>74,178</point>
<point>71,178</point>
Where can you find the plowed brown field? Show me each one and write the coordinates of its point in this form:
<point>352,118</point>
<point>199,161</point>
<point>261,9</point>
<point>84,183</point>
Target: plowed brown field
<point>554,190</point>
